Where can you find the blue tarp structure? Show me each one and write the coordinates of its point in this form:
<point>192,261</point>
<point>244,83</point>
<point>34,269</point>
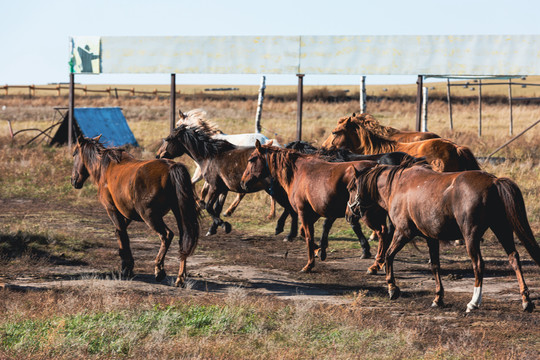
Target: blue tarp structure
<point>108,122</point>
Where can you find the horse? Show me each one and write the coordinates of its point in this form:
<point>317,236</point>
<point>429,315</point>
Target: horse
<point>197,117</point>
<point>315,188</point>
<point>446,206</point>
<point>443,155</point>
<point>369,122</point>
<point>222,165</point>
<point>136,190</point>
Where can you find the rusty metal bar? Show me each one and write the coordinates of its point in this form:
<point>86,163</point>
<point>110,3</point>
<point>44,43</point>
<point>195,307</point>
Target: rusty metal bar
<point>511,140</point>
<point>299,101</point>
<point>173,102</point>
<point>479,107</point>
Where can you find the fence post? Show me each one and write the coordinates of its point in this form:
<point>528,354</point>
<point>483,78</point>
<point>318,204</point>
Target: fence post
<point>299,102</point>
<point>448,96</point>
<point>58,89</point>
<point>71,107</point>
<point>173,103</point>
<point>510,105</point>
<point>363,95</point>
<point>260,101</point>
<point>419,86</point>
<point>479,107</point>
<point>424,109</point>
<point>6,89</point>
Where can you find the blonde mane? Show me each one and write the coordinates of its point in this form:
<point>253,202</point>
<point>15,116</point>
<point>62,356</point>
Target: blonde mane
<point>367,121</point>
<point>197,118</point>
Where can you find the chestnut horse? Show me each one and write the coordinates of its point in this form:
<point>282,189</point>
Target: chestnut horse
<point>447,206</point>
<point>369,122</point>
<point>443,155</point>
<point>131,189</point>
<point>315,188</point>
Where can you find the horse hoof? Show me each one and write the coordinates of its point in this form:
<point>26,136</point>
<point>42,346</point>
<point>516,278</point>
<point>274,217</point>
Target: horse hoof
<point>160,275</point>
<point>287,239</point>
<point>471,307</point>
<point>437,304</point>
<point>227,227</point>
<point>306,269</point>
<point>322,254</point>
<point>210,232</point>
<point>366,255</point>
<point>458,242</point>
<point>528,306</point>
<point>226,214</point>
<point>394,293</point>
<point>127,273</point>
<point>372,270</point>
<point>278,231</point>
<point>180,283</point>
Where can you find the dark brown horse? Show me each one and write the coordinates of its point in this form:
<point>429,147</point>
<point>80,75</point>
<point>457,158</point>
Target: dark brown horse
<point>134,190</point>
<point>369,122</point>
<point>447,206</point>
<point>315,188</point>
<point>442,154</point>
<point>221,163</point>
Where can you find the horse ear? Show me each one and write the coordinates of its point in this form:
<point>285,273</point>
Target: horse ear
<point>97,137</point>
<point>181,115</point>
<point>258,144</point>
<point>80,138</point>
<point>353,114</point>
<point>269,142</point>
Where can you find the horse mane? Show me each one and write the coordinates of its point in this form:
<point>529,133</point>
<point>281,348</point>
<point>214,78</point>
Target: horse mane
<point>334,155</point>
<point>98,157</point>
<point>284,159</point>
<point>197,117</point>
<point>199,140</point>
<point>371,142</point>
<point>368,122</point>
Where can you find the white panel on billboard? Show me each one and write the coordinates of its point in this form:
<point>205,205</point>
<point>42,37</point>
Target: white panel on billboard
<point>344,55</point>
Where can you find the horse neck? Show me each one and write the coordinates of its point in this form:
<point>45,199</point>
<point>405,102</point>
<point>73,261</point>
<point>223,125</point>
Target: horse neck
<point>281,167</point>
<point>371,143</point>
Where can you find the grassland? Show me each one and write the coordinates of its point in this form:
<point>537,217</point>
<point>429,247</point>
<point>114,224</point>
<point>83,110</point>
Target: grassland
<point>53,233</point>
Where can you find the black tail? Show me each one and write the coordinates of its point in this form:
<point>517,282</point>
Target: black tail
<point>517,215</point>
<point>189,210</point>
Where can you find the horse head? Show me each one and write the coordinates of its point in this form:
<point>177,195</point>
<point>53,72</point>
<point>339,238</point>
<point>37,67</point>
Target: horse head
<point>80,172</point>
<point>342,136</point>
<point>257,169</point>
<point>171,146</point>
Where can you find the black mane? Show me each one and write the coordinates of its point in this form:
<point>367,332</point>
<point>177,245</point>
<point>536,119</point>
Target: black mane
<point>197,140</point>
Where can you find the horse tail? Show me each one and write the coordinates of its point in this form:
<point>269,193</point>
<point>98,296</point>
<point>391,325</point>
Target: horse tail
<point>188,218</point>
<point>517,215</point>
<point>467,161</point>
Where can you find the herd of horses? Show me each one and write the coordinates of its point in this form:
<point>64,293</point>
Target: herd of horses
<point>401,184</point>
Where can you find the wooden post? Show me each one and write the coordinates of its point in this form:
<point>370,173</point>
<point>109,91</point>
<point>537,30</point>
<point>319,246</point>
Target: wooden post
<point>510,105</point>
<point>424,109</point>
<point>6,89</point>
<point>299,101</point>
<point>419,86</point>
<point>449,98</point>
<point>71,108</point>
<point>363,95</point>
<point>173,103</point>
<point>479,107</point>
<point>260,101</point>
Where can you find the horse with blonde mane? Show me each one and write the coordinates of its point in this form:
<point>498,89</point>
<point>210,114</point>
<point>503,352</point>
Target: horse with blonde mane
<point>370,123</point>
<point>443,155</point>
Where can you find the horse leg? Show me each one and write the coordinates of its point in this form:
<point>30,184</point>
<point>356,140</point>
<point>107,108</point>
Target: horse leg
<point>398,242</point>
<point>473,248</point>
<point>213,197</point>
<point>307,226</point>
<point>234,205</point>
<point>355,225</point>
<point>197,174</point>
<point>321,252</point>
<point>204,192</point>
<point>384,236</point>
<point>166,236</point>
<point>218,208</point>
<point>505,236</point>
<point>124,249</point>
<point>272,214</point>
<point>434,259</point>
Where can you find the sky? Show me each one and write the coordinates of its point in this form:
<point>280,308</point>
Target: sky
<point>34,36</point>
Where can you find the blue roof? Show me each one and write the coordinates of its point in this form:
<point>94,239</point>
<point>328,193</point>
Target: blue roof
<point>108,122</point>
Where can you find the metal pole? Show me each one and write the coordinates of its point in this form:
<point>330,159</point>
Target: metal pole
<point>299,101</point>
<point>363,95</point>
<point>260,105</point>
<point>514,138</point>
<point>448,96</point>
<point>71,108</point>
<point>173,102</point>
<point>424,109</point>
<point>479,107</point>
<point>419,85</point>
<point>510,103</point>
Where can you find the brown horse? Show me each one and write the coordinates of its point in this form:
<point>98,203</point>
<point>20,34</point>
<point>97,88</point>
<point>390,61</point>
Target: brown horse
<point>443,155</point>
<point>315,188</point>
<point>447,206</point>
<point>369,122</point>
<point>131,189</point>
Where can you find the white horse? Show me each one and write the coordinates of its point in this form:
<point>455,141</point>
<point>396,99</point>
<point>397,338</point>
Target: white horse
<point>197,117</point>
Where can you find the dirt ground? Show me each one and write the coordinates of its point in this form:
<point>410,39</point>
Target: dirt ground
<point>264,265</point>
